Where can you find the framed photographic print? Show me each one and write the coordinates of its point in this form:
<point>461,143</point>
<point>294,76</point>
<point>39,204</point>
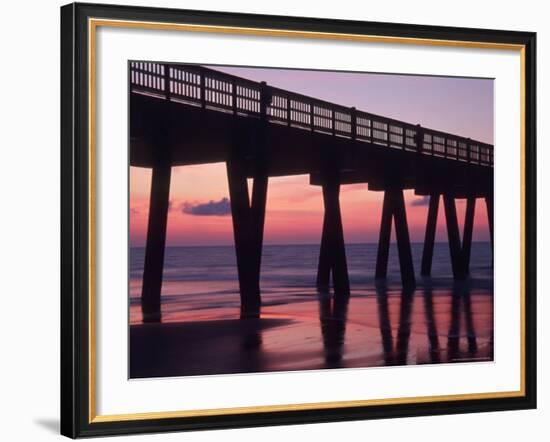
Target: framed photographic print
<point>277,220</point>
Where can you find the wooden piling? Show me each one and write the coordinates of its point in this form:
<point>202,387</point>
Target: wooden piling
<point>490,208</point>
<point>323,268</point>
<point>257,219</point>
<point>248,211</point>
<point>468,232</point>
<point>156,241</point>
<point>384,239</point>
<point>429,238</point>
<point>453,233</point>
<point>332,256</point>
<point>403,241</point>
<point>394,207</point>
<point>244,237</point>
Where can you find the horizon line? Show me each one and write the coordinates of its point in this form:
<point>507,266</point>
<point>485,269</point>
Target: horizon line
<point>290,244</point>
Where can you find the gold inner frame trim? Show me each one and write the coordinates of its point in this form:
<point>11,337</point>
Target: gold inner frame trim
<point>93,24</point>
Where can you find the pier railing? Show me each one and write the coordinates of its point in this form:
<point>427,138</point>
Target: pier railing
<point>199,86</point>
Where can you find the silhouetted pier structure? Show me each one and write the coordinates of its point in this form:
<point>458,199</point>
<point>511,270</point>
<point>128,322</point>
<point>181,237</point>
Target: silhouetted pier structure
<point>187,114</point>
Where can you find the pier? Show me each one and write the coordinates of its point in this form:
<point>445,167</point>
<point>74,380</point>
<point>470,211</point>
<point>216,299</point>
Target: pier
<point>187,114</point>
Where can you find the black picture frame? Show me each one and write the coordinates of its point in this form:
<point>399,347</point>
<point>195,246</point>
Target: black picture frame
<point>76,418</point>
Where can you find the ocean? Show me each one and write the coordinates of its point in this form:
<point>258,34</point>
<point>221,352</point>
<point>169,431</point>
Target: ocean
<point>300,328</point>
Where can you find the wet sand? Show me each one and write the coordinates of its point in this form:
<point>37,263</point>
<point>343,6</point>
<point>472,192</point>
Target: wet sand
<point>306,331</point>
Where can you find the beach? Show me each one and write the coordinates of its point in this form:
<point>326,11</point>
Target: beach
<point>299,328</point>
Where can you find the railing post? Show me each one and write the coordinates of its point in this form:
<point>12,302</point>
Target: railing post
<point>388,134</point>
<point>234,96</point>
<point>468,150</point>
<point>203,90</point>
<point>353,114</point>
<point>167,81</point>
<point>288,117</point>
<point>419,139</point>
<point>265,100</point>
<point>371,131</point>
<point>311,115</point>
<point>333,122</point>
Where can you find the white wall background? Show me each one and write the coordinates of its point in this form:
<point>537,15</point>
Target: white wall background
<point>29,233</point>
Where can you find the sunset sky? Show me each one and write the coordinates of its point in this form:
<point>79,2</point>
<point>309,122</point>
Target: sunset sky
<point>199,207</point>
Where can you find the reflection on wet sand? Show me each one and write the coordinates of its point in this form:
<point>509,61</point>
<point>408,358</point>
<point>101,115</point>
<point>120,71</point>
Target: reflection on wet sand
<point>433,337</point>
<point>320,330</point>
<point>333,312</point>
<point>460,312</point>
<point>461,304</point>
<point>395,355</point>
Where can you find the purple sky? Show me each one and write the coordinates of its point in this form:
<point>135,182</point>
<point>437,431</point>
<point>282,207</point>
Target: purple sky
<point>462,106</point>
<point>294,214</point>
